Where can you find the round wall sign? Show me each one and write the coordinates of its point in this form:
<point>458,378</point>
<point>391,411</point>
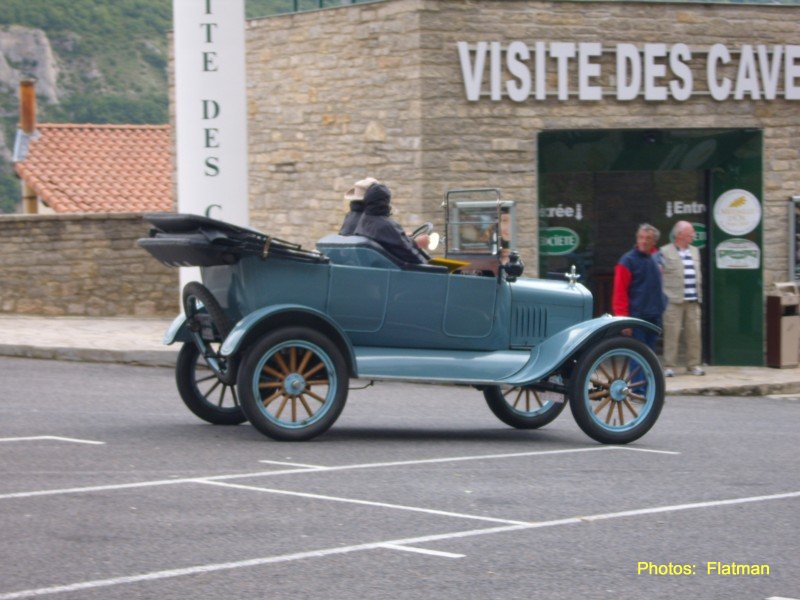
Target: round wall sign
<point>555,241</point>
<point>700,235</point>
<point>737,212</point>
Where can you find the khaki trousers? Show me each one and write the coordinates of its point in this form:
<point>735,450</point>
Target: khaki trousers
<point>682,317</point>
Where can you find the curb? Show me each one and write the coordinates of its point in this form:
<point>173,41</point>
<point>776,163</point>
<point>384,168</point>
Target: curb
<point>167,357</point>
<point>749,389</point>
<point>148,358</point>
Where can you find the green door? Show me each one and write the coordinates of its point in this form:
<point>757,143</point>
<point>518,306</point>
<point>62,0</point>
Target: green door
<point>736,259</point>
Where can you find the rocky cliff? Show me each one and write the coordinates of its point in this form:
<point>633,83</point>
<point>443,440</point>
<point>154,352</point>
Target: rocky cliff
<point>25,51</point>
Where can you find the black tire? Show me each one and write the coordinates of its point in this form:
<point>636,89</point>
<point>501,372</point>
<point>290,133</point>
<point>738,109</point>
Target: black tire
<point>537,411</point>
<point>203,392</point>
<point>279,372</point>
<point>617,377</point>
<point>194,292</point>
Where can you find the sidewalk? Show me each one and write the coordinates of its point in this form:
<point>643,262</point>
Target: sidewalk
<point>103,339</point>
<point>137,341</point>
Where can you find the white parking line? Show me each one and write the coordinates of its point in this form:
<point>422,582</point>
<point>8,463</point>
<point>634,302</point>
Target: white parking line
<point>312,469</point>
<point>422,551</point>
<point>430,511</point>
<point>94,488</point>
<point>50,437</point>
<point>209,568</point>
<point>792,396</point>
<point>426,461</point>
<point>289,464</point>
<point>693,505</point>
<point>255,562</point>
<point>634,449</point>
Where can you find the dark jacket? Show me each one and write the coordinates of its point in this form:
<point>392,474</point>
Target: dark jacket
<point>638,288</point>
<point>376,224</point>
<point>352,218</point>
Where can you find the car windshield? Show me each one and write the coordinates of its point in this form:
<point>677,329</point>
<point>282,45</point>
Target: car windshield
<point>478,222</point>
<point>474,230</point>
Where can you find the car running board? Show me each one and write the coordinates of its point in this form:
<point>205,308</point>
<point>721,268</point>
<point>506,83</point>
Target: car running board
<point>451,366</point>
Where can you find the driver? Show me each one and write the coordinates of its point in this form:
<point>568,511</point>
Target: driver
<point>376,225</point>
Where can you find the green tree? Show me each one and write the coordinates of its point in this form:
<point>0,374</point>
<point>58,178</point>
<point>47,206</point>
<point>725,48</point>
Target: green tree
<point>10,193</point>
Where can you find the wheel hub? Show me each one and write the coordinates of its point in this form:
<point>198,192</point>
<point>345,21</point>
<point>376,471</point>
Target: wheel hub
<point>619,390</point>
<point>294,384</point>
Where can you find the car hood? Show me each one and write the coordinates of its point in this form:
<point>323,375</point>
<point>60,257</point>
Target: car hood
<point>541,308</point>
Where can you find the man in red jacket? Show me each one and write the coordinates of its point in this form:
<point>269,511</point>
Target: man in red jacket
<point>638,289</point>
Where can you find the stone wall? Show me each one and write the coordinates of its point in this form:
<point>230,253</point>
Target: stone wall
<point>333,97</point>
<point>84,265</point>
<point>376,89</point>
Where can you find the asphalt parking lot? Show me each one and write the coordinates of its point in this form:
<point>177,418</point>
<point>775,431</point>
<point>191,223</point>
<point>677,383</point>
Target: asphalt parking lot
<point>110,488</point>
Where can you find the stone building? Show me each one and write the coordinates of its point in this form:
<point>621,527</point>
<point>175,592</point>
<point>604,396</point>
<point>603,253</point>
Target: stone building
<point>591,116</point>
<point>84,187</point>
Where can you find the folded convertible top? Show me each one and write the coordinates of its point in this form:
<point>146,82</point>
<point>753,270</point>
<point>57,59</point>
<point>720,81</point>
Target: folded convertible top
<point>180,240</point>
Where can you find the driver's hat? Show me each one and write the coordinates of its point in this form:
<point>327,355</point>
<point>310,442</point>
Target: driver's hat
<point>359,189</point>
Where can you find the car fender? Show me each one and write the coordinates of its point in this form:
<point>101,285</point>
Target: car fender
<point>295,314</point>
<point>552,353</point>
<point>178,331</point>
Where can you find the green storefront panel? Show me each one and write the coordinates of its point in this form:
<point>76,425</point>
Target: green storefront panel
<point>596,186</point>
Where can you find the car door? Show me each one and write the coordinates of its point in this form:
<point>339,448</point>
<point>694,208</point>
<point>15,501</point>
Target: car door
<point>469,306</point>
<point>357,299</point>
<point>441,310</point>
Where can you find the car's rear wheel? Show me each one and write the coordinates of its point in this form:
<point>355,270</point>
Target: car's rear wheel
<point>293,384</point>
<point>523,407</point>
<point>202,390</point>
<point>617,390</point>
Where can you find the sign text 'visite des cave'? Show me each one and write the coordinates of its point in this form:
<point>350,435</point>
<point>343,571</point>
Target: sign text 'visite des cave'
<point>655,72</point>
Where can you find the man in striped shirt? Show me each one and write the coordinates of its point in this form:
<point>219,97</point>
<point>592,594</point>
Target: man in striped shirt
<point>683,288</point>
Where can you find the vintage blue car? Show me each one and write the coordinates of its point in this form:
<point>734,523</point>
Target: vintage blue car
<point>275,333</point>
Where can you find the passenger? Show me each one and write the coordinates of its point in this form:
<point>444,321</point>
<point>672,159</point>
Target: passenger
<point>355,195</point>
<point>376,225</point>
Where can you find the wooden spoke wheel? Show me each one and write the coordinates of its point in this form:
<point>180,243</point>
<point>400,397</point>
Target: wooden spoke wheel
<point>617,390</point>
<point>523,407</point>
<point>293,384</point>
<point>202,390</point>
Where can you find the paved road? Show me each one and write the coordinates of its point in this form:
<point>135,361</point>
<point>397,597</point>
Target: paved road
<point>169,507</point>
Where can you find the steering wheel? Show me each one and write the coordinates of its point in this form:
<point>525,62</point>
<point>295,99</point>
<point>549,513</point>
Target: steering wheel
<point>427,229</point>
<point>424,229</point>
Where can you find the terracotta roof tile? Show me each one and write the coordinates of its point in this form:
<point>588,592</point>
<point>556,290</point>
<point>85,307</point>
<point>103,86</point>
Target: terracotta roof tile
<point>78,168</point>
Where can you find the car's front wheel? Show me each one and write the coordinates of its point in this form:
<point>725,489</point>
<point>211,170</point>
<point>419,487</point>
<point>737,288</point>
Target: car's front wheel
<point>617,390</point>
<point>293,384</point>
<point>523,407</point>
